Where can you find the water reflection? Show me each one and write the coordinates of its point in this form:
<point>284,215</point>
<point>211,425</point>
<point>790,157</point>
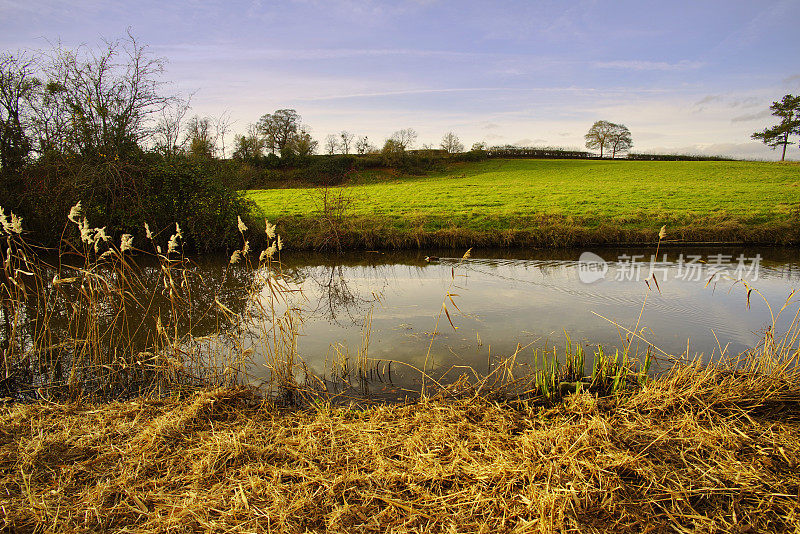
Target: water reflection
<point>507,301</point>
<point>111,327</point>
<point>512,298</point>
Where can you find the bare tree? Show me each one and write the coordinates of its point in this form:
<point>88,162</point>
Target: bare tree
<point>331,144</point>
<point>363,146</point>
<point>599,135</point>
<point>405,138</point>
<point>347,140</point>
<point>166,134</point>
<point>111,98</point>
<point>620,139</point>
<point>19,87</point>
<point>451,144</point>
<point>200,140</point>
<point>222,126</point>
<point>248,147</point>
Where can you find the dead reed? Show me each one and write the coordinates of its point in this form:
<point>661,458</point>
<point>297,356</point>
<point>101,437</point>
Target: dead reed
<point>703,448</point>
<point>118,321</point>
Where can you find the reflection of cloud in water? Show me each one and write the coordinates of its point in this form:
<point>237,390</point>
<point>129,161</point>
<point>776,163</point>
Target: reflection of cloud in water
<point>510,300</point>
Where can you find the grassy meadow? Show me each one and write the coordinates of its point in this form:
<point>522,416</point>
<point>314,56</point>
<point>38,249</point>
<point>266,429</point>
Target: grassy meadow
<point>548,203</point>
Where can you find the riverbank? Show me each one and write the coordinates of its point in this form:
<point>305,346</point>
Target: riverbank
<point>384,233</point>
<point>701,449</point>
<point>544,203</point>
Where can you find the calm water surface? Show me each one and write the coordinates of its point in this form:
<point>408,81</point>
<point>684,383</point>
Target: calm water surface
<point>532,298</point>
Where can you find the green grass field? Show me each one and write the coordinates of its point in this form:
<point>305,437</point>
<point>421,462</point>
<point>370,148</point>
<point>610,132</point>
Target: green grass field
<point>597,201</point>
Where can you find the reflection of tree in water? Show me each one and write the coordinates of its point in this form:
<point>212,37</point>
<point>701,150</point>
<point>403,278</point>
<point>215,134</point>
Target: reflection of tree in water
<point>338,301</point>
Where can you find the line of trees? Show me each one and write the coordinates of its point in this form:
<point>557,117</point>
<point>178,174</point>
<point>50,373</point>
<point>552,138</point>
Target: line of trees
<point>282,133</point>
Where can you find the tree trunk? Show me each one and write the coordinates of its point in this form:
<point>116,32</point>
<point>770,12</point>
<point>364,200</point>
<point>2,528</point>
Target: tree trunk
<point>785,142</point>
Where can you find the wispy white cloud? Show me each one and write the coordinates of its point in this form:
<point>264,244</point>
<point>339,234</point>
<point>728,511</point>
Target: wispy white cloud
<point>792,80</point>
<point>708,99</point>
<point>529,142</point>
<point>369,10</point>
<point>638,65</point>
<point>719,101</point>
<point>752,116</point>
<point>600,93</point>
<point>746,102</point>
<point>221,51</point>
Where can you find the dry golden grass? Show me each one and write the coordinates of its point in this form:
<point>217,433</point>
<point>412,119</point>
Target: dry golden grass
<point>701,449</point>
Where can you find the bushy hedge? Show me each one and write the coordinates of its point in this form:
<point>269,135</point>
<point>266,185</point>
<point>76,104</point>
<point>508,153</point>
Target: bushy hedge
<point>123,196</point>
<point>510,151</point>
<point>676,157</point>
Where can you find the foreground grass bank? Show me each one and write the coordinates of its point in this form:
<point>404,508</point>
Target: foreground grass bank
<point>546,203</point>
<point>700,450</point>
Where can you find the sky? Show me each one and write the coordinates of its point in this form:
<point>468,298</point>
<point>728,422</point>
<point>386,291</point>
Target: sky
<point>687,77</point>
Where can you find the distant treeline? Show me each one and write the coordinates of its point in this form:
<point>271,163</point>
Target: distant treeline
<point>677,157</point>
<point>512,151</point>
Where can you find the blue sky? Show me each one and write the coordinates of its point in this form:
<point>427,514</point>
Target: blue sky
<point>683,76</point>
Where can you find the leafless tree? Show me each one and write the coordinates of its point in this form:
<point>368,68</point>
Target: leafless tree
<point>200,140</point>
<point>363,146</point>
<point>19,87</point>
<point>250,146</point>
<point>405,138</point>
<point>347,140</point>
<point>451,144</point>
<point>331,144</point>
<point>167,133</point>
<point>620,139</point>
<point>599,135</point>
<point>112,97</point>
<point>222,125</point>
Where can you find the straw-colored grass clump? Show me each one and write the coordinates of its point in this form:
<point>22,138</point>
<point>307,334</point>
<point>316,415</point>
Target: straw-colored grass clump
<point>701,449</point>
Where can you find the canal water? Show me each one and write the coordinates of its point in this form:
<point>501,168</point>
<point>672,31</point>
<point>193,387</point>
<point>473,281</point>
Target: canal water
<point>506,301</point>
